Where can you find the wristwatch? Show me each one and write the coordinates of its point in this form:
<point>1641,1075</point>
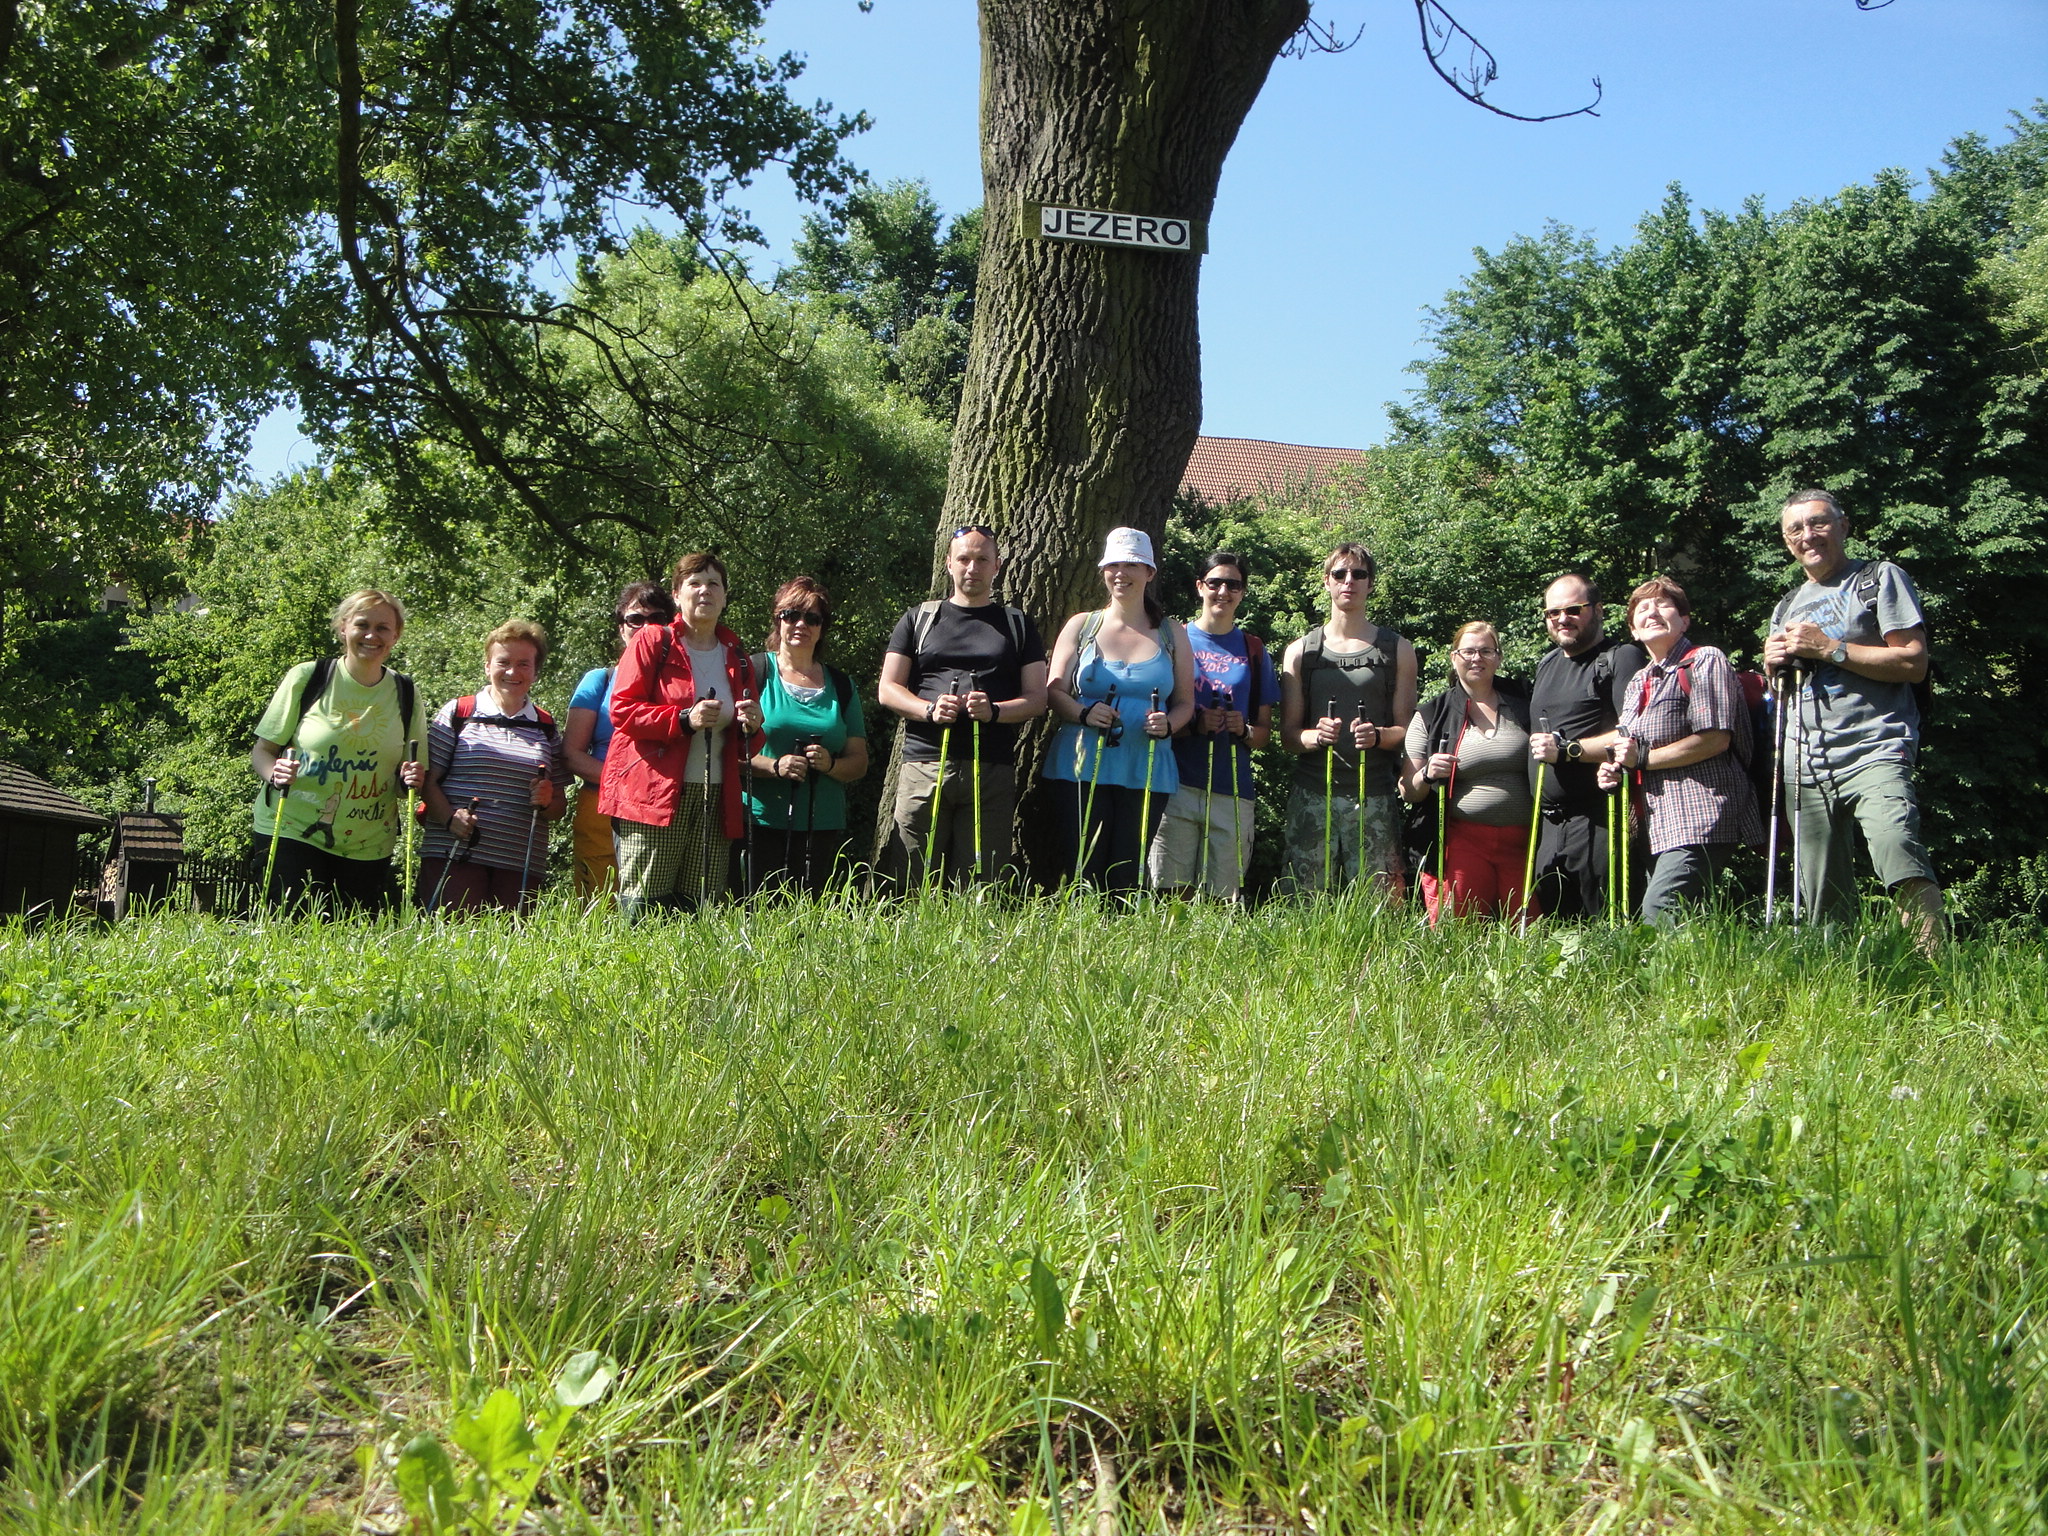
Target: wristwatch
<point>1840,653</point>
<point>1574,750</point>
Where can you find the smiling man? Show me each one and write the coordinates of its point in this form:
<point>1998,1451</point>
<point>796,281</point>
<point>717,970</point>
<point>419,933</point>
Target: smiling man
<point>1578,694</point>
<point>1855,635</point>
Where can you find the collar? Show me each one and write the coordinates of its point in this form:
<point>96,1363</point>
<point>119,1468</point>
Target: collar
<point>1686,644</point>
<point>525,712</point>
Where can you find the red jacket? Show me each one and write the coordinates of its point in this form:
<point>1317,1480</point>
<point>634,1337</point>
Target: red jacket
<point>651,699</point>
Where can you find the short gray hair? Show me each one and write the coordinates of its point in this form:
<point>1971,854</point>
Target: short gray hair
<point>1825,498</point>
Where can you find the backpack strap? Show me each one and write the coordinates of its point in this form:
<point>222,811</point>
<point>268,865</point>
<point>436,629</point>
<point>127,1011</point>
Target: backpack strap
<point>760,665</point>
<point>921,626</point>
<point>842,688</point>
<point>316,686</point>
<point>408,705</point>
<point>464,708</point>
<point>1016,620</point>
<point>1091,626</point>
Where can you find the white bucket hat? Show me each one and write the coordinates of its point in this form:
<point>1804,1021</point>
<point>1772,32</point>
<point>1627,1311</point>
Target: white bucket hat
<point>1128,544</point>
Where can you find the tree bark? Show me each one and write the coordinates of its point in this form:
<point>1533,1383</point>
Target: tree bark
<point>1083,395</point>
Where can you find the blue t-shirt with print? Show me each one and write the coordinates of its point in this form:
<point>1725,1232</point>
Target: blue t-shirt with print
<point>1223,679</point>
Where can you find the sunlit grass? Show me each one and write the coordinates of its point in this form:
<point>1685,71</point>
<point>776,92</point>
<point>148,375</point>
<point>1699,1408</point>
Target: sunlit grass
<point>899,1215</point>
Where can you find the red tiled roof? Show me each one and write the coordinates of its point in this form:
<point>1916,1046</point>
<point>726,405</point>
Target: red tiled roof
<point>23,794</point>
<point>1226,469</point>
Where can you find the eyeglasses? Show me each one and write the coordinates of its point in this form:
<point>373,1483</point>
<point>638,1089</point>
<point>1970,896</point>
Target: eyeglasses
<point>1222,584</point>
<point>1812,525</point>
<point>801,616</point>
<point>635,620</point>
<point>1341,575</point>
<point>1568,611</point>
<point>1472,653</point>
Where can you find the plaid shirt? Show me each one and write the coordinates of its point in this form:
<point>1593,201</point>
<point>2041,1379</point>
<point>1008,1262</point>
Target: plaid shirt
<point>1706,802</point>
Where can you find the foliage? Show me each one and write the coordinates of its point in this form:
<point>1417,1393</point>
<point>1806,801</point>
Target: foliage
<point>1346,1222</point>
<point>810,443</point>
<point>1654,403</point>
<point>156,188</point>
<point>882,259</point>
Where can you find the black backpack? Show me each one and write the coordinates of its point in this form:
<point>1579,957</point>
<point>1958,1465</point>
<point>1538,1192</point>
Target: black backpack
<point>322,677</point>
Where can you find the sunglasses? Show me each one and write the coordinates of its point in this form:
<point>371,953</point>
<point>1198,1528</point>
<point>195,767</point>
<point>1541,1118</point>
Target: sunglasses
<point>635,620</point>
<point>1222,584</point>
<point>801,616</point>
<point>966,528</point>
<point>1341,575</point>
<point>1568,611</point>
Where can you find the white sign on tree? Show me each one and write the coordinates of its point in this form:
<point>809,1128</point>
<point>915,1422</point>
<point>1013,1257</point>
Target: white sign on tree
<point>1145,232</point>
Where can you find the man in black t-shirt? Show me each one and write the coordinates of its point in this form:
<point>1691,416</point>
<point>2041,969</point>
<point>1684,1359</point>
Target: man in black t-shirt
<point>967,659</point>
<point>1573,706</point>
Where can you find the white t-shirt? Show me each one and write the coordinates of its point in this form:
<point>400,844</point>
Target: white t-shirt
<point>707,666</point>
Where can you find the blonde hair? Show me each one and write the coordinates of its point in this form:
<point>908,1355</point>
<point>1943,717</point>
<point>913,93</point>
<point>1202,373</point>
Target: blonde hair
<point>361,602</point>
<point>518,631</point>
<point>1475,627</point>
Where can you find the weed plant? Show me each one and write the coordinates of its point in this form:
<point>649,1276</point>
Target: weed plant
<point>951,1216</point>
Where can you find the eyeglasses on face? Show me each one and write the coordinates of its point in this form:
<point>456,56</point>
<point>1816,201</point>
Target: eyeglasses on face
<point>1476,652</point>
<point>1568,611</point>
<point>1812,525</point>
<point>1342,574</point>
<point>1222,584</point>
<point>801,616</point>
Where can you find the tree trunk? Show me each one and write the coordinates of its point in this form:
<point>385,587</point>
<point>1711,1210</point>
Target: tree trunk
<point>1083,395</point>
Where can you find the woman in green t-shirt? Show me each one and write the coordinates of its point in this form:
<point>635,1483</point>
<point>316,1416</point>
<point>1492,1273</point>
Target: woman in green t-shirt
<point>331,755</point>
<point>816,744</point>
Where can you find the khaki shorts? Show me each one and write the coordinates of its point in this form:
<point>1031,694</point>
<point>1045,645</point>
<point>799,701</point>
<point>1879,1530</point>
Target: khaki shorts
<point>1178,857</point>
<point>1876,800</point>
<point>954,850</point>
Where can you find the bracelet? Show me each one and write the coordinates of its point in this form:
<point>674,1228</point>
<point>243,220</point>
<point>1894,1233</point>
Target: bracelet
<point>931,707</point>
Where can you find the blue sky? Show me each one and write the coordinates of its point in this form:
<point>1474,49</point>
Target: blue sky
<point>1360,184</point>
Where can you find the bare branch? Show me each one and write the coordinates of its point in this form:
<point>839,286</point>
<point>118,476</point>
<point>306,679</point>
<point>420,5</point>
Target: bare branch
<point>1318,37</point>
<point>1442,32</point>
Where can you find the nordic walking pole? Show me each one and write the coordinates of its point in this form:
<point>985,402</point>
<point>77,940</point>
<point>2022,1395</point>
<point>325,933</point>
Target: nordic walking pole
<point>1094,773</point>
<point>1777,791</point>
<point>975,743</point>
<point>1626,901</point>
<point>1358,805</point>
<point>1329,793</point>
<point>1236,826</point>
<point>931,831</point>
<point>1535,822</point>
<point>434,905</point>
<point>276,825</point>
<point>747,696</point>
<point>405,792</point>
<point>1208,801</point>
<point>1145,805</point>
<point>1798,800</point>
<point>1611,851</point>
<point>526,853</point>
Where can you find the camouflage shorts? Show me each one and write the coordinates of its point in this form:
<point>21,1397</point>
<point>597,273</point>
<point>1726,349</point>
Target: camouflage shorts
<point>1377,825</point>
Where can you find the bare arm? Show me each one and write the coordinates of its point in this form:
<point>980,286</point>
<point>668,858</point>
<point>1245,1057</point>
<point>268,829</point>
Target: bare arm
<point>894,693</point>
<point>577,736</point>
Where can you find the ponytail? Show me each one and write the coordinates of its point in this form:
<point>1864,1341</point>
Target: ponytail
<point>1154,614</point>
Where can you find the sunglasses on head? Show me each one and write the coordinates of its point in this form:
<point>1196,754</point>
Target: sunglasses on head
<point>1223,583</point>
<point>1353,573</point>
<point>801,616</point>
<point>1568,611</point>
<point>966,528</point>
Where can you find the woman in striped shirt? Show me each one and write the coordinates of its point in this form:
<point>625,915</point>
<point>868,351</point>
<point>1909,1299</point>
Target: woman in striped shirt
<point>496,775</point>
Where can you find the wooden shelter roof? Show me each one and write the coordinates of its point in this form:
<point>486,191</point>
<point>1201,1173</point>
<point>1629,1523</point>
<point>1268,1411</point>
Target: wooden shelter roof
<point>23,794</point>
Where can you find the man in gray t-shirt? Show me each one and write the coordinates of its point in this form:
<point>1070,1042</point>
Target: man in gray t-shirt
<point>1858,639</point>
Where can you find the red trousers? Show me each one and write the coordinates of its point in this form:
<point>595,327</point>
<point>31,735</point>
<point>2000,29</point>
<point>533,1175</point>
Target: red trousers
<point>1484,867</point>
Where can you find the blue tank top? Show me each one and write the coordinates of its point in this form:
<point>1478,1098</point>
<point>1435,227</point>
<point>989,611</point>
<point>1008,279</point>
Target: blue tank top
<point>1074,748</point>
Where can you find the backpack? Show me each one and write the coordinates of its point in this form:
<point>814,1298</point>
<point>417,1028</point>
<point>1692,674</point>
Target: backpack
<point>928,615</point>
<point>322,677</point>
<point>1382,653</point>
<point>1863,587</point>
<point>842,685</point>
<point>1091,626</point>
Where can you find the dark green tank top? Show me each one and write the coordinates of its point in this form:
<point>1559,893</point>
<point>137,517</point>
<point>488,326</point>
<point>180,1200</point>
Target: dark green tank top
<point>1361,686</point>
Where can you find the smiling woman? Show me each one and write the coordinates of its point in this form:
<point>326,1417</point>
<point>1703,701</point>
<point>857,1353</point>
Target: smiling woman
<point>331,753</point>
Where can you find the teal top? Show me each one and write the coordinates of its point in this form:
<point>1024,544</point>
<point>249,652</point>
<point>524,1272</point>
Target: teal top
<point>1073,756</point>
<point>819,803</point>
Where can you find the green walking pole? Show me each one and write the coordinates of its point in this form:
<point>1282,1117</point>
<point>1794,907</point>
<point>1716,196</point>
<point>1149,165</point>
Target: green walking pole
<point>1625,900</point>
<point>1611,851</point>
<point>1208,804</point>
<point>1236,825</point>
<point>1329,792</point>
<point>1358,805</point>
<point>975,733</point>
<point>931,831</point>
<point>276,825</point>
<point>1535,823</point>
<point>412,755</point>
<point>1145,805</point>
<point>1108,737</point>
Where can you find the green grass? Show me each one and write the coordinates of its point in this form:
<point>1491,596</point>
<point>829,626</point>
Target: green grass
<point>1041,1218</point>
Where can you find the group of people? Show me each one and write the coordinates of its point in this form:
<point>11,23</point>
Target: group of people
<point>1502,798</point>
